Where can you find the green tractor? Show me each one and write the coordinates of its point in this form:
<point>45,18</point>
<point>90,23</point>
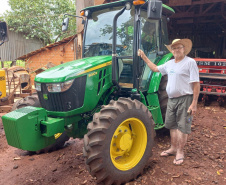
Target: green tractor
<point>110,97</point>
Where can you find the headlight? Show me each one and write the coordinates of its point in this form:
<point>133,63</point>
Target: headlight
<point>54,87</point>
<point>38,86</point>
<point>59,87</point>
<point>66,85</point>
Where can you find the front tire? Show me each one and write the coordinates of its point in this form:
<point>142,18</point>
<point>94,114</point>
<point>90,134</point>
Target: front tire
<point>119,141</point>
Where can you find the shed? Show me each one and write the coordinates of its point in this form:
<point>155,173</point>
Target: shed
<point>204,22</point>
<point>57,53</point>
<point>17,46</point>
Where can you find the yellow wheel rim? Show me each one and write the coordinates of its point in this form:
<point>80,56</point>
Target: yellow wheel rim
<point>57,135</point>
<point>128,144</point>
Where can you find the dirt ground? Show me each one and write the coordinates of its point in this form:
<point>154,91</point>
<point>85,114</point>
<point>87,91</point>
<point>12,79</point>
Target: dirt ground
<point>205,158</point>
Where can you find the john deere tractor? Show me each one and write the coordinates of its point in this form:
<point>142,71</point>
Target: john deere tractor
<point>110,97</point>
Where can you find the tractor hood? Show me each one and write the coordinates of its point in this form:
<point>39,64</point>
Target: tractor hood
<point>71,70</point>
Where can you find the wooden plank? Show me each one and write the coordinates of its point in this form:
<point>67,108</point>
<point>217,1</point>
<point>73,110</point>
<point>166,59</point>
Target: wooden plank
<point>177,10</point>
<point>188,10</point>
<point>183,15</point>
<point>190,2</point>
<point>207,1</point>
<point>5,108</point>
<point>209,8</point>
<point>180,3</point>
<point>185,21</point>
<point>192,14</point>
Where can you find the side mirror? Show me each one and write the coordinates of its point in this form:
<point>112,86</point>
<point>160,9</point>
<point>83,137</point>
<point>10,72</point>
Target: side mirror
<point>154,10</point>
<point>3,32</point>
<point>65,24</point>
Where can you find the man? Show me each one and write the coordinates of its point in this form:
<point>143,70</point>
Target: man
<point>183,90</point>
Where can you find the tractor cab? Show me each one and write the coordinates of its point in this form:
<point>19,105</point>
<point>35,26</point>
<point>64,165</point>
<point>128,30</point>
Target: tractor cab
<point>119,29</point>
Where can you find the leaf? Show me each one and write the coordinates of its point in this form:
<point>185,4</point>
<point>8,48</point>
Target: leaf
<point>40,18</point>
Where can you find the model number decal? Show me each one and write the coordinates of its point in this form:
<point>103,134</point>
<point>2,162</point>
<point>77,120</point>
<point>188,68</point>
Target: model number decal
<point>92,74</point>
<point>207,63</point>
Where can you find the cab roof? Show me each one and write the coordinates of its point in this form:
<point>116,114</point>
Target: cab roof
<point>166,8</point>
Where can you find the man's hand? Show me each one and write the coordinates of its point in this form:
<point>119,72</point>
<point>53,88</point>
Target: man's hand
<point>152,66</point>
<point>140,53</point>
<point>192,108</point>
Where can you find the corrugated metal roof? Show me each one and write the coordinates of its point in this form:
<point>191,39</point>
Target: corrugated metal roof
<point>18,45</point>
<point>24,57</point>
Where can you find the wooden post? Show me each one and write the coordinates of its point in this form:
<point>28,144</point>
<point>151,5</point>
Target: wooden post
<point>81,4</point>
<point>79,46</point>
<point>98,2</point>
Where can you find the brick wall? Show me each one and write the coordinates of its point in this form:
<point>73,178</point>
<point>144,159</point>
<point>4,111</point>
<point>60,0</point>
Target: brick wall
<point>98,2</point>
<point>56,55</point>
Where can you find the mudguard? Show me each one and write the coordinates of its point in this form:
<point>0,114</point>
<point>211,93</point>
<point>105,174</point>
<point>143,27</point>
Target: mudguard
<point>152,94</point>
<point>156,76</point>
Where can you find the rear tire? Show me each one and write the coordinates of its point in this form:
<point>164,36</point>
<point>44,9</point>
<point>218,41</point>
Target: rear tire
<point>163,100</point>
<point>60,138</point>
<point>163,97</point>
<point>119,141</point>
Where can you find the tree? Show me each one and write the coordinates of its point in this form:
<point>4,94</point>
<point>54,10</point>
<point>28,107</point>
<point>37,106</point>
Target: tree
<point>41,18</point>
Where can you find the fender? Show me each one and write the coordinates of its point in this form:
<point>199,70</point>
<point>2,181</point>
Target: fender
<point>152,95</point>
<point>156,76</point>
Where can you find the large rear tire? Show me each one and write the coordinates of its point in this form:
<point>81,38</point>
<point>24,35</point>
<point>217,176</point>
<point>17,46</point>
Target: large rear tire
<point>60,138</point>
<point>119,141</point>
<point>163,97</point>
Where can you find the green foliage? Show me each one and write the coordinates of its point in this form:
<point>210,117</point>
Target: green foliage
<point>7,64</point>
<point>41,18</point>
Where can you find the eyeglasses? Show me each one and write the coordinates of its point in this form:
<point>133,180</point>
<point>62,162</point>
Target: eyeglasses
<point>178,48</point>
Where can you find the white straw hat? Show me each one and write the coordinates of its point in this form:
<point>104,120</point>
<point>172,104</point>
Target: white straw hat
<point>187,43</point>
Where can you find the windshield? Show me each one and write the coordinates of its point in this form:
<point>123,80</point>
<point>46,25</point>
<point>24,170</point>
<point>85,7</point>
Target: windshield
<point>99,36</point>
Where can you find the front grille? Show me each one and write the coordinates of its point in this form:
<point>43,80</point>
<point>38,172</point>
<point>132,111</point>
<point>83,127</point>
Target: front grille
<point>71,99</point>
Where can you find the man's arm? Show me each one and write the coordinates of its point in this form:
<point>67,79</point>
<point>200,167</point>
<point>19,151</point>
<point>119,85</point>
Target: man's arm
<point>151,65</point>
<point>196,90</point>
